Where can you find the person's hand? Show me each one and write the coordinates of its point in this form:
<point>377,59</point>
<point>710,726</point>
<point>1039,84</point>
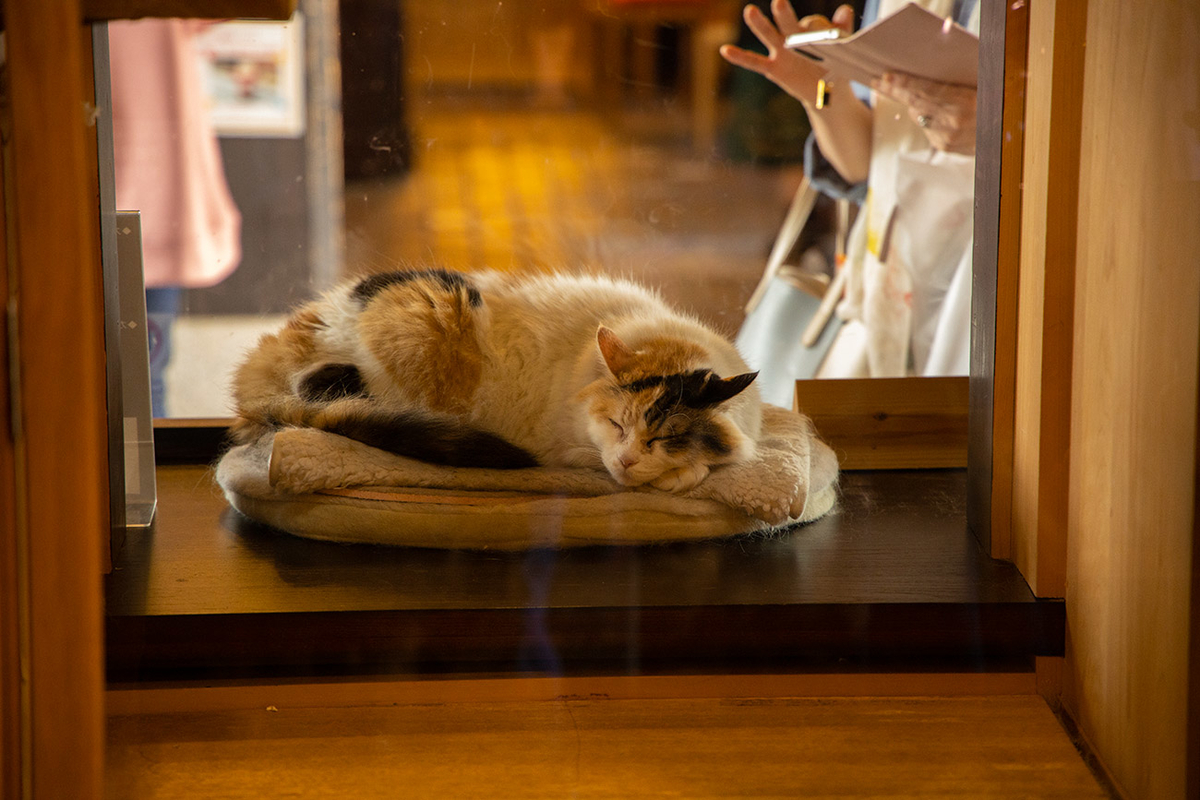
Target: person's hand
<point>796,74</point>
<point>946,113</point>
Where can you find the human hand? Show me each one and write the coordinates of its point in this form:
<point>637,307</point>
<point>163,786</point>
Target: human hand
<point>796,74</point>
<point>945,112</point>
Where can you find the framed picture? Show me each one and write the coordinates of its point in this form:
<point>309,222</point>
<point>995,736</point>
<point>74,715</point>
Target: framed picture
<point>253,73</point>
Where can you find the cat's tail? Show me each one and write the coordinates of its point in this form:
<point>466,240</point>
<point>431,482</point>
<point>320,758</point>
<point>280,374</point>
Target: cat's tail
<point>424,436</point>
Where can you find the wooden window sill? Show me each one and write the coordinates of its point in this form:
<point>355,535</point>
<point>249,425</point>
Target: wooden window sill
<point>893,580</point>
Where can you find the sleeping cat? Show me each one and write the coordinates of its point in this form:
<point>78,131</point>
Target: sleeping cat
<point>496,370</point>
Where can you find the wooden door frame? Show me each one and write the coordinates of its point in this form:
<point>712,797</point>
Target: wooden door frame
<point>10,581</point>
<point>59,442</point>
<point>53,450</point>
<point>1004,33</point>
<point>59,491</point>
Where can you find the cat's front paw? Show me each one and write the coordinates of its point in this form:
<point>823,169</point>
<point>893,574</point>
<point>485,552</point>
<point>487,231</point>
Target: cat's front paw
<point>681,479</point>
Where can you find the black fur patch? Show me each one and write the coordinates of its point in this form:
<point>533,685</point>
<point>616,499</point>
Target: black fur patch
<point>680,390</point>
<point>368,287</point>
<point>699,433</point>
<point>331,382</point>
<point>711,438</point>
<point>697,390</point>
<point>433,439</point>
<point>679,442</point>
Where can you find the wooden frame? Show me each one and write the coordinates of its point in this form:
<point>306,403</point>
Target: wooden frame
<point>11,716</point>
<point>999,148</point>
<point>53,465</point>
<point>890,423</point>
<point>1046,303</point>
<point>1131,513</point>
<point>60,442</point>
<point>61,495</point>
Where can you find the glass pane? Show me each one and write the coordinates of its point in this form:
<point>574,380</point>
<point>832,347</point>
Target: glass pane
<point>367,135</point>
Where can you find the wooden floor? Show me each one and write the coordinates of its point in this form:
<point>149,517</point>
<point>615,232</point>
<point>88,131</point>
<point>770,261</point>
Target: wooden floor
<point>497,183</point>
<point>584,747</point>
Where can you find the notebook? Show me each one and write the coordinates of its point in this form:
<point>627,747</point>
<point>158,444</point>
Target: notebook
<point>912,40</point>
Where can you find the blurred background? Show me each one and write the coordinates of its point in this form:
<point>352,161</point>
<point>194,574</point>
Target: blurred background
<point>584,135</point>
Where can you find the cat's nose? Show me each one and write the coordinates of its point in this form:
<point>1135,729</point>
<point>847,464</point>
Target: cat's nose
<point>627,461</point>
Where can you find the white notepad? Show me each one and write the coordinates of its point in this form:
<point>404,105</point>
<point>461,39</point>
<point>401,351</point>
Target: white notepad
<point>912,40</point>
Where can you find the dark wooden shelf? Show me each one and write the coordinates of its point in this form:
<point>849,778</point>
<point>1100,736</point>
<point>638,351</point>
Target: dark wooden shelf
<point>893,577</point>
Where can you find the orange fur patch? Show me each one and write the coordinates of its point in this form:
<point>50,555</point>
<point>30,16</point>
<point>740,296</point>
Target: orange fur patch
<point>663,356</point>
<point>426,338</point>
<point>262,384</point>
<point>306,318</point>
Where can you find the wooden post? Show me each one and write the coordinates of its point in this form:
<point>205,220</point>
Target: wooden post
<point>1046,305</point>
<point>59,448</point>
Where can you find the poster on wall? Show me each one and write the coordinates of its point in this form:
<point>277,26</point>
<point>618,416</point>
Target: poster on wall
<point>253,74</point>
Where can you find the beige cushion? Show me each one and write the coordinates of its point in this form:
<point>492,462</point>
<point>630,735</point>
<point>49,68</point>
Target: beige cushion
<point>323,486</point>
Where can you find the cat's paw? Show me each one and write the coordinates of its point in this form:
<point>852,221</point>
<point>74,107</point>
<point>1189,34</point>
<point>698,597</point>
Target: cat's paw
<point>681,479</point>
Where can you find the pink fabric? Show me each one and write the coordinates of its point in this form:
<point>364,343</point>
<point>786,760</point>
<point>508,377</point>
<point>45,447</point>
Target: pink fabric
<point>168,165</point>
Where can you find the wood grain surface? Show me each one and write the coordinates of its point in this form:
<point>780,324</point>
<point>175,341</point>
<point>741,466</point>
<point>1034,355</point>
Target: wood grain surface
<point>61,415</point>
<point>995,747</point>
<point>890,423</point>
<point>896,537</point>
<point>1007,284</point>
<point>1041,442</point>
<point>1132,535</point>
<point>10,580</point>
<point>248,695</point>
<point>894,574</point>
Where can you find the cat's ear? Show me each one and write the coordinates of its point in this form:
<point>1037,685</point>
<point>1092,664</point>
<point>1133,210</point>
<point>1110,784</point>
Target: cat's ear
<point>617,354</point>
<point>718,390</point>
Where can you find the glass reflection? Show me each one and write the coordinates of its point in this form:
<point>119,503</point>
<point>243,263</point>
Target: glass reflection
<point>609,136</point>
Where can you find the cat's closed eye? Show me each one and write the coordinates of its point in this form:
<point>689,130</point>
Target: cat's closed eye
<point>617,425</point>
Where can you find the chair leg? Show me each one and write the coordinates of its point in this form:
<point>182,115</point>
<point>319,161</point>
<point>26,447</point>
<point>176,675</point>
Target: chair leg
<point>789,232</point>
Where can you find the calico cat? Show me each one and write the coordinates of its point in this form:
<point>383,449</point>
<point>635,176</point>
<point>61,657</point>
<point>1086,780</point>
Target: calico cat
<point>497,370</point>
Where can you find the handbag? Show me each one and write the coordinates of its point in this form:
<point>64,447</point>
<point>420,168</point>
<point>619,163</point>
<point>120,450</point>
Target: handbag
<point>790,324</point>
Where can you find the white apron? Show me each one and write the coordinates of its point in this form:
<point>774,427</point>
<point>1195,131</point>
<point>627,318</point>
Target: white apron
<point>908,292</point>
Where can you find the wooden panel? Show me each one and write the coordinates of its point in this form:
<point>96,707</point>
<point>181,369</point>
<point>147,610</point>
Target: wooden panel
<point>1004,366</point>
<point>589,747</point>
<point>898,537</point>
<point>1027,378</point>
<point>893,575</point>
<point>129,699</point>
<point>1193,712</point>
<point>890,423</point>
<point>581,641</point>
<point>1133,434</point>
<point>61,439</point>
<point>1002,35</point>
<point>1041,441</point>
<point>10,580</point>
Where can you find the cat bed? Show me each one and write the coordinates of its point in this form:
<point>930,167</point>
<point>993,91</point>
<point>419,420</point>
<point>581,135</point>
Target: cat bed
<point>323,486</point>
